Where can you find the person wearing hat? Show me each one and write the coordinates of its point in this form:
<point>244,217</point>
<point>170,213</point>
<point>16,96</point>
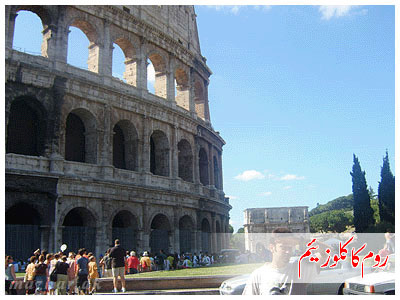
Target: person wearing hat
<point>145,262</point>
<point>280,276</point>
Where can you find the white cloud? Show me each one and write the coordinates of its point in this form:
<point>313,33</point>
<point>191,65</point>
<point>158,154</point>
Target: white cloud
<point>232,197</point>
<point>151,74</point>
<point>288,187</point>
<point>235,9</point>
<point>266,194</point>
<point>292,177</point>
<point>249,175</point>
<point>334,11</point>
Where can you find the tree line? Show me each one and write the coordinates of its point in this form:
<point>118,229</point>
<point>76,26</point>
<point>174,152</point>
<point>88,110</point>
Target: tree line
<point>364,218</point>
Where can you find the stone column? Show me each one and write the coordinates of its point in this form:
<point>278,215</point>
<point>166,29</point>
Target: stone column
<point>213,234</point>
<point>192,104</point>
<point>211,165</point>
<point>174,169</point>
<point>206,107</point>
<point>170,80</point>
<point>196,170</point>
<point>221,181</point>
<point>106,52</point>
<point>176,244</point>
<point>105,144</point>
<point>145,164</point>
<point>146,228</point>
<point>49,43</point>
<point>10,26</point>
<point>141,66</point>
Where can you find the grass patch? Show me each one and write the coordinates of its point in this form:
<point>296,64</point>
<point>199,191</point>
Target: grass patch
<point>202,271</point>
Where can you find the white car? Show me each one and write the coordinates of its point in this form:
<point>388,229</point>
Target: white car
<point>328,282</point>
<point>382,281</point>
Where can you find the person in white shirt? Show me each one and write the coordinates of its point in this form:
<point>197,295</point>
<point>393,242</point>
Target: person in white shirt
<point>280,276</point>
<point>206,260</point>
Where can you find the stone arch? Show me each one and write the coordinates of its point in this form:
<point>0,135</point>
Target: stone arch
<point>160,233</point>
<point>205,235</point>
<point>94,45</point>
<point>26,128</point>
<point>125,228</point>
<point>46,18</point>
<point>159,153</point>
<point>130,74</point>
<point>22,228</point>
<point>186,234</point>
<point>81,136</point>
<point>125,146</point>
<point>185,160</point>
<point>217,173</point>
<point>203,167</point>
<point>200,99</point>
<point>182,97</point>
<point>79,229</point>
<point>160,68</point>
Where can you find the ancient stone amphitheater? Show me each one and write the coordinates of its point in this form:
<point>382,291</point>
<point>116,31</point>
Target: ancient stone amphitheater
<point>90,157</point>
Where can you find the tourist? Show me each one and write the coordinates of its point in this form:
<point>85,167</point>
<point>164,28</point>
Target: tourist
<point>145,262</point>
<point>51,261</point>
<point>195,260</point>
<point>106,264</point>
<point>29,277</point>
<point>133,263</point>
<point>93,274</point>
<point>280,276</point>
<point>62,276</point>
<point>10,276</point>
<point>82,272</point>
<point>41,274</point>
<point>170,260</point>
<point>117,253</point>
<point>187,263</point>
<point>206,261</point>
<point>71,273</point>
<point>159,260</point>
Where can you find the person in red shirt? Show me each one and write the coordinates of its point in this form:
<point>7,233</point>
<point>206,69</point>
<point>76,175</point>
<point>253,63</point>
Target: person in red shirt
<point>133,263</point>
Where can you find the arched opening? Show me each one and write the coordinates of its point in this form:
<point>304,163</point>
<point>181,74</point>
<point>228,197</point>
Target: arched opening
<point>83,51</point>
<point>125,228</point>
<point>186,234</point>
<point>160,233</point>
<point>182,89</point>
<point>125,146</point>
<point>22,231</point>
<point>79,230</point>
<point>118,148</point>
<point>205,235</point>
<point>159,154</point>
<point>151,77</point>
<point>81,137</point>
<point>26,127</point>
<point>199,100</point>
<point>203,167</point>
<point>185,161</point>
<point>216,173</point>
<point>124,65</point>
<point>118,60</point>
<point>28,36</point>
<point>219,236</point>
<point>160,78</point>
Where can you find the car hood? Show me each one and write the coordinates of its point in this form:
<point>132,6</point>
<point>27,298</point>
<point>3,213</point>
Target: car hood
<point>238,280</point>
<point>373,278</point>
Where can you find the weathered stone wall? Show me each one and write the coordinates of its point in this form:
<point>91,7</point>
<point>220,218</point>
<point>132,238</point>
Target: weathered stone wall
<point>167,35</point>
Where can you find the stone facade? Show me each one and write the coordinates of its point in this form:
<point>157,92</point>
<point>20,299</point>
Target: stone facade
<point>258,222</point>
<point>90,157</point>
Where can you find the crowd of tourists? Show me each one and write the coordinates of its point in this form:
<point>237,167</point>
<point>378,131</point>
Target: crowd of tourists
<point>77,273</point>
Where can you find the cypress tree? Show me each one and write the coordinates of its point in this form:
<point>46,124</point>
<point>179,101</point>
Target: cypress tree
<point>386,192</point>
<point>363,213</point>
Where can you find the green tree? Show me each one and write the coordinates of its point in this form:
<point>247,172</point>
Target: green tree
<point>237,240</point>
<point>386,193</point>
<point>362,211</point>
<point>331,221</point>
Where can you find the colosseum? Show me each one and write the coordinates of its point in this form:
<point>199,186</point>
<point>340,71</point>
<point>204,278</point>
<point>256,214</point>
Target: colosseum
<point>91,157</point>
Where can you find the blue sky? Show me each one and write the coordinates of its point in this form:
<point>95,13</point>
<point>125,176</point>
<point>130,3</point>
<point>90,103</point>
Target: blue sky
<point>295,91</point>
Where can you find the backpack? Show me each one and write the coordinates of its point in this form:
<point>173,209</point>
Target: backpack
<point>107,262</point>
